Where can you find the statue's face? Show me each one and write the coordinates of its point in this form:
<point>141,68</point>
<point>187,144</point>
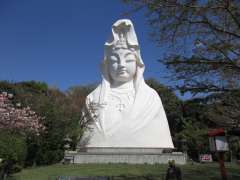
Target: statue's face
<point>122,65</point>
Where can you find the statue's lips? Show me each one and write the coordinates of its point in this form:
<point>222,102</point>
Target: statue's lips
<point>122,72</point>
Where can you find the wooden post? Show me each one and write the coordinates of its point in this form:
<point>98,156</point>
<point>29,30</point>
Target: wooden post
<point>222,166</point>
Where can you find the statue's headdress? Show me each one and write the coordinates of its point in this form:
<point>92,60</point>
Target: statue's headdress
<point>123,36</point>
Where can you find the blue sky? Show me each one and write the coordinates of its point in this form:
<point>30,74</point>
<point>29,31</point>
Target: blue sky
<point>61,42</point>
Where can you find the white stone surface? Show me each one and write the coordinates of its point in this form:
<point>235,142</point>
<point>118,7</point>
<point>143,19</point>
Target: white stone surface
<point>118,150</point>
<point>125,110</point>
<point>130,158</point>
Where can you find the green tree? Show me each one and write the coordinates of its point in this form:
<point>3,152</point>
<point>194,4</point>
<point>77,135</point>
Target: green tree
<point>211,30</point>
<point>77,96</point>
<point>193,135</point>
<point>50,104</point>
<point>13,151</point>
<point>195,138</point>
<point>62,114</point>
<point>224,109</point>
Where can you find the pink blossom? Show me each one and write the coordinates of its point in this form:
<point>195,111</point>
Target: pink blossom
<point>21,119</point>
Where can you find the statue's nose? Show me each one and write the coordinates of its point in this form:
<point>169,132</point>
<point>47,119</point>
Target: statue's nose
<point>122,63</point>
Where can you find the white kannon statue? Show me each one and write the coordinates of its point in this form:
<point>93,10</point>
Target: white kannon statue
<point>126,112</point>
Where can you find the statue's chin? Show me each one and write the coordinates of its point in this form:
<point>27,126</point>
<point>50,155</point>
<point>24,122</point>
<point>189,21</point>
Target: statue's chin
<point>121,80</point>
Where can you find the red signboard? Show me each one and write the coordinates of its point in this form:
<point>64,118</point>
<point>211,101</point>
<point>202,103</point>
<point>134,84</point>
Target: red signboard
<point>205,157</point>
<point>216,132</point>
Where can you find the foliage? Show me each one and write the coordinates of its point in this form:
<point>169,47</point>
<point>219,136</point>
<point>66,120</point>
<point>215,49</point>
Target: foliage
<point>35,94</point>
<point>62,115</point>
<point>195,138</point>
<point>13,150</point>
<point>12,146</point>
<point>51,144</point>
<point>225,110</point>
<point>15,124</point>
<point>196,110</point>
<point>234,146</point>
<point>211,29</point>
<point>18,119</point>
<point>77,96</point>
<point>196,122</point>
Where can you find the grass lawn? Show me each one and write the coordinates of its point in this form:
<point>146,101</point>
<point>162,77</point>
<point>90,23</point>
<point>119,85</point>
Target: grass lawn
<point>191,172</point>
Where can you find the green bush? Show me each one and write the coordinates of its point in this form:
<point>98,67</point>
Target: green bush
<point>12,147</point>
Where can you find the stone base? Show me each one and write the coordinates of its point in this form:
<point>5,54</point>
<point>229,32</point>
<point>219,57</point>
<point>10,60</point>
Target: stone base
<point>124,155</point>
<point>113,150</point>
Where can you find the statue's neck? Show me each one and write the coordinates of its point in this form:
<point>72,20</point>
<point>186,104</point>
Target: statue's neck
<point>125,85</point>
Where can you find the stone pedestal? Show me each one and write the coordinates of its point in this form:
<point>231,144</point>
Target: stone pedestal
<point>124,155</point>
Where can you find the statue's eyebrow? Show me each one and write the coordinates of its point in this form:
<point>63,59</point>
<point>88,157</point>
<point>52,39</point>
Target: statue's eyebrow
<point>128,53</point>
<point>113,54</point>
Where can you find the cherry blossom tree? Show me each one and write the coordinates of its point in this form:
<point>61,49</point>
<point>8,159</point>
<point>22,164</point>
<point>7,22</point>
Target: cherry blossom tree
<point>14,117</point>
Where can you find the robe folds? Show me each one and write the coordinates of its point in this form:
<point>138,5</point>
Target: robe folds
<point>141,125</point>
<point>144,125</point>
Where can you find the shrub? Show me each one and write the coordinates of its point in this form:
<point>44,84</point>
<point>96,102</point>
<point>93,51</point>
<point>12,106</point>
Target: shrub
<point>13,151</point>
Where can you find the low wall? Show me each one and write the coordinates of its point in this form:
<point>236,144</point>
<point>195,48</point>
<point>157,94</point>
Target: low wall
<point>124,157</point>
<point>121,150</point>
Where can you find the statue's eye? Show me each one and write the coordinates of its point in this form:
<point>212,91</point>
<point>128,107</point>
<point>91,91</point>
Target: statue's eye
<point>113,58</point>
<point>130,58</point>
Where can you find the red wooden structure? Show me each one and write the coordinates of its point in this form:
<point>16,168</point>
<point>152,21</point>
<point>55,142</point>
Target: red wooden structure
<point>219,144</point>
